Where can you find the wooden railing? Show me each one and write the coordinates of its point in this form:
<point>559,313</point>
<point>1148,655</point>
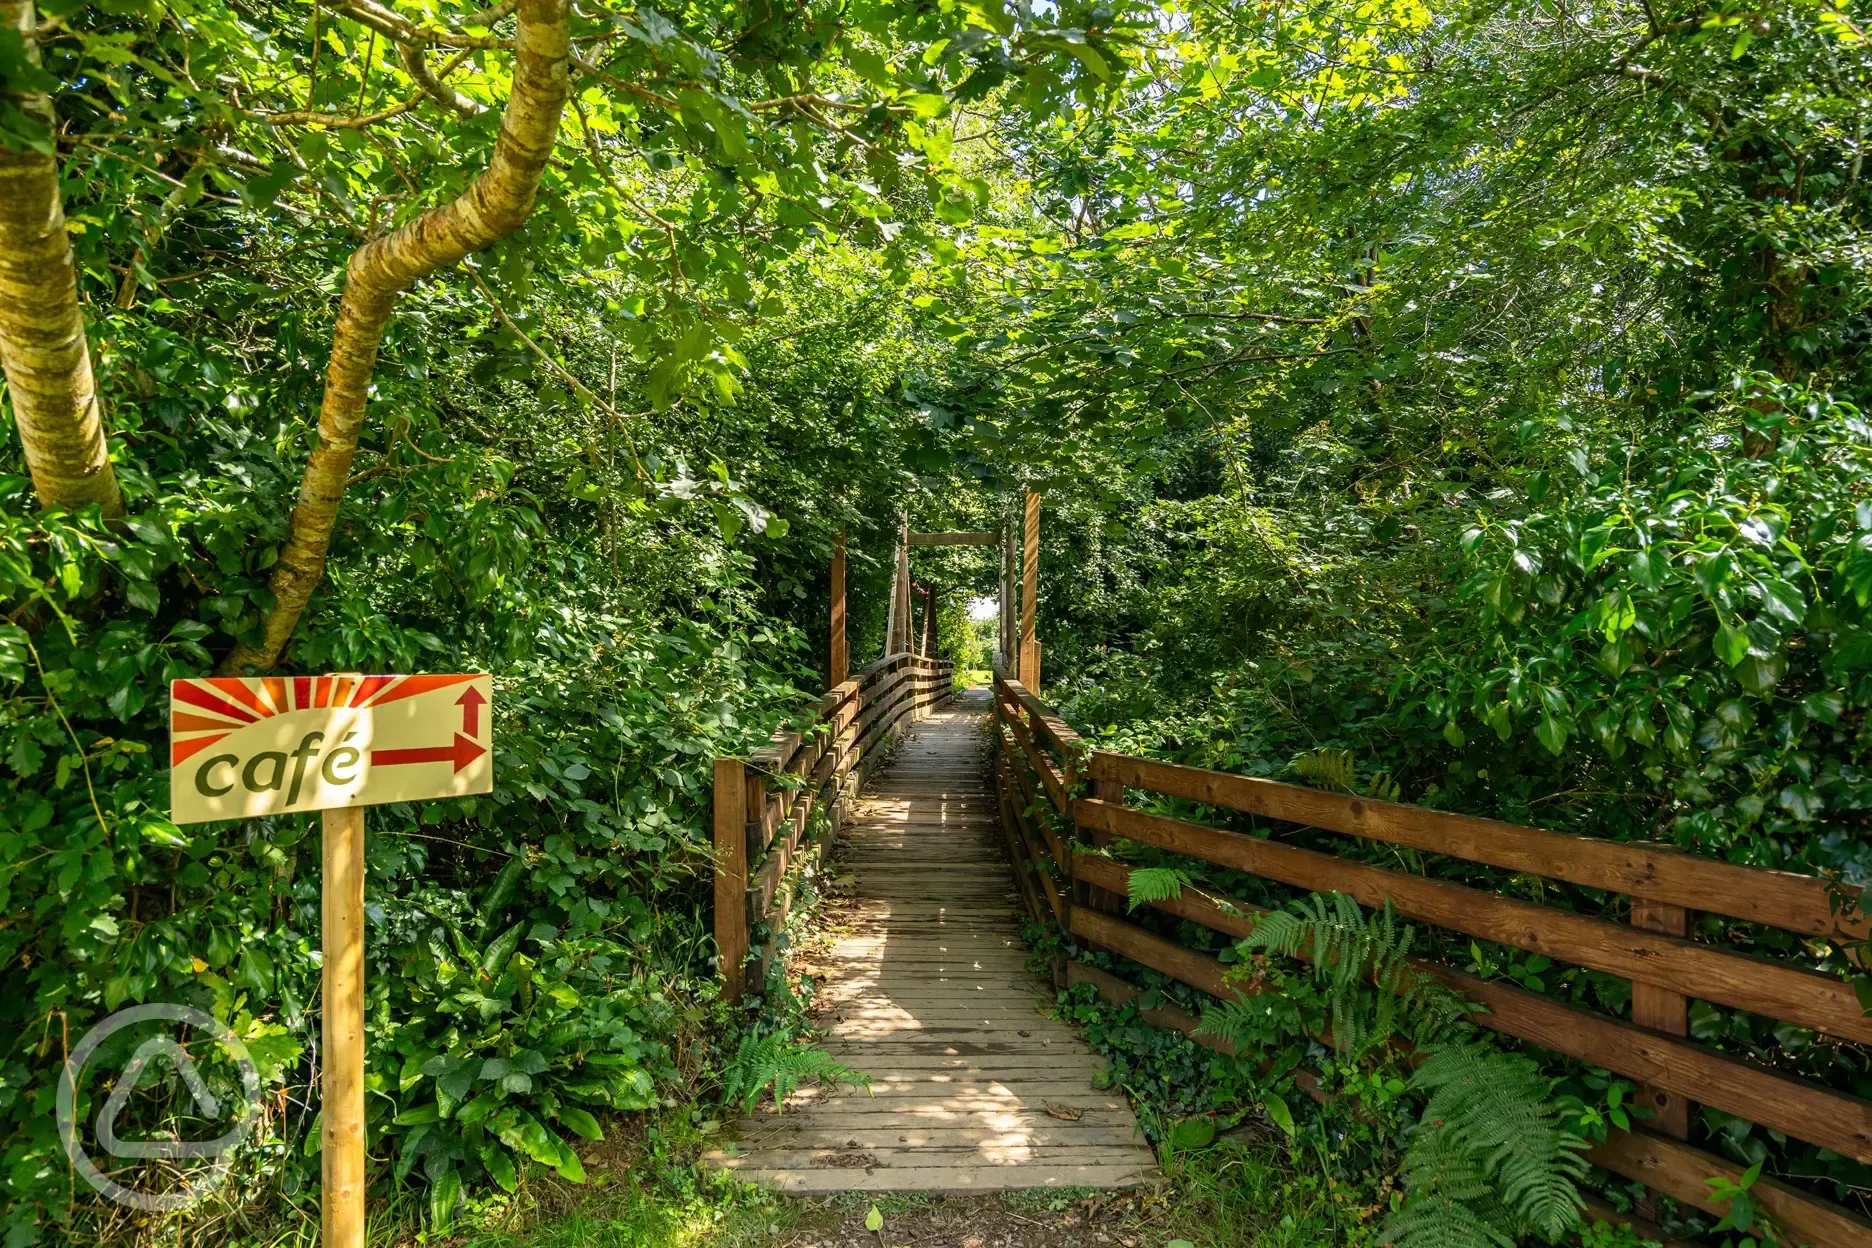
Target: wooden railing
<point>1061,802</point>
<point>764,803</point>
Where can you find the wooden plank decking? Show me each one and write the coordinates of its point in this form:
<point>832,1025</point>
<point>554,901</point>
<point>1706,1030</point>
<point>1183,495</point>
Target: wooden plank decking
<point>926,990</point>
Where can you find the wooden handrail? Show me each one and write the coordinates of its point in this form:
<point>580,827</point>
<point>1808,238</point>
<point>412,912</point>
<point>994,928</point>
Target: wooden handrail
<point>1666,1164</point>
<point>764,803</point>
<point>1791,994</point>
<point>1041,760</point>
<point>1784,899</point>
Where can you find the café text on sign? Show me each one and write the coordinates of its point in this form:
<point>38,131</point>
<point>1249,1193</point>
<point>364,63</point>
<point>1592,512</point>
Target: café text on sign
<point>243,746</point>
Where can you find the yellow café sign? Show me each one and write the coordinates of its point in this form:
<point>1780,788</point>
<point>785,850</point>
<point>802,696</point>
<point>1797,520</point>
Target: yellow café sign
<point>259,746</point>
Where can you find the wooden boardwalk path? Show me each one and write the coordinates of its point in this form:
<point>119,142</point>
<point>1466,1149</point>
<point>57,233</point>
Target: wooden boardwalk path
<point>925,989</point>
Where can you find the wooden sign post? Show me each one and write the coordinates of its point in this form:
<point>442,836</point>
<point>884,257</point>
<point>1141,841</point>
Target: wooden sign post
<point>242,747</point>
<point>341,1031</point>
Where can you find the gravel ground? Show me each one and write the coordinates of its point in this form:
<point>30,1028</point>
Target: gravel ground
<point>1020,1220</point>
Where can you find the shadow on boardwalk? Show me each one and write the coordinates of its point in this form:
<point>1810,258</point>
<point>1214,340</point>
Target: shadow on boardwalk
<point>925,989</point>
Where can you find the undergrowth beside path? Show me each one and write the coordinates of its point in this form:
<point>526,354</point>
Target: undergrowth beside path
<point>1238,1195</point>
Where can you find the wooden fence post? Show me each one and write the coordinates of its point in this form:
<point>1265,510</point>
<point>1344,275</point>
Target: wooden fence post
<point>840,663</point>
<point>341,1091</point>
<point>731,872</point>
<point>1662,1010</point>
<point>1030,588</point>
<point>1090,895</point>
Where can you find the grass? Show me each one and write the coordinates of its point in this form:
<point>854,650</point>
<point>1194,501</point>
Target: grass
<point>1243,1193</point>
<point>638,1217</point>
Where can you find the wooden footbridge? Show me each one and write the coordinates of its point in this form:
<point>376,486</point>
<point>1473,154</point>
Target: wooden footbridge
<point>950,844</point>
<point>925,989</point>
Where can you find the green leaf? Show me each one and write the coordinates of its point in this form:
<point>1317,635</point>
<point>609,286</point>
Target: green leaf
<point>1731,643</point>
<point>1759,675</point>
<point>501,1167</point>
<point>568,1165</point>
<point>1713,572</point>
<point>413,1072</point>
<point>143,595</point>
<point>443,1197</point>
<point>580,1121</point>
<point>1190,1134</point>
<point>1825,707</point>
<point>874,1221</point>
<point>1649,567</point>
<point>1552,734</point>
<point>1616,656</point>
<point>1278,1113</point>
<point>1784,601</point>
<point>1148,884</point>
<point>1802,801</point>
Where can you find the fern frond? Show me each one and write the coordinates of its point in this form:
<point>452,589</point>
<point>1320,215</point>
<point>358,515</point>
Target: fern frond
<point>783,1064</point>
<point>1236,1020</point>
<point>1326,769</point>
<point>1490,1159</point>
<point>1440,1220</point>
<point>1496,1110</point>
<point>1363,961</point>
<point>1335,770</point>
<point>1150,884</point>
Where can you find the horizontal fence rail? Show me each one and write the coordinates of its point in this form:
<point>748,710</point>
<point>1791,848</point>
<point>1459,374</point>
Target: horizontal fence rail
<point>1062,803</point>
<point>764,803</point>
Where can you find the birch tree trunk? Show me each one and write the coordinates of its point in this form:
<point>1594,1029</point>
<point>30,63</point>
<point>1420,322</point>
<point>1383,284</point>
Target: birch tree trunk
<point>42,333</point>
<point>496,204</point>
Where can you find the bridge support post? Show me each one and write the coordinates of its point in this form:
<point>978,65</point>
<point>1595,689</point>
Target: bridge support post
<point>904,611</point>
<point>1030,588</point>
<point>897,628</point>
<point>1004,643</point>
<point>731,873</point>
<point>838,661</point>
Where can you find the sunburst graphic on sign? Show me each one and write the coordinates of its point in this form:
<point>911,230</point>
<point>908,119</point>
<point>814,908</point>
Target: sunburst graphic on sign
<point>220,704</point>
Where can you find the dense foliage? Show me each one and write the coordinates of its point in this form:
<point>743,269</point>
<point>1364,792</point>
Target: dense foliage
<point>1465,404</point>
<point>1462,402</point>
<point>606,462</point>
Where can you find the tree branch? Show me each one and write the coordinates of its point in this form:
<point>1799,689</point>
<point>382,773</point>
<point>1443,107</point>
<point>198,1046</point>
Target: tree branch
<point>416,62</point>
<point>359,121</point>
<point>495,204</point>
<point>396,26</point>
<point>618,419</point>
<point>485,18</point>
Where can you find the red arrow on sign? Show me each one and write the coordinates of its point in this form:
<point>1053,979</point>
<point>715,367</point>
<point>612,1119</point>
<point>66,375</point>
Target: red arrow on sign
<point>471,703</point>
<point>461,754</point>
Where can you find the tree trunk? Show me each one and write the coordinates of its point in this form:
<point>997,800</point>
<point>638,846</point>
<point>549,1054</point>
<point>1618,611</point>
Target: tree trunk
<point>42,333</point>
<point>495,205</point>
